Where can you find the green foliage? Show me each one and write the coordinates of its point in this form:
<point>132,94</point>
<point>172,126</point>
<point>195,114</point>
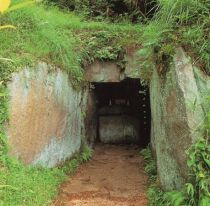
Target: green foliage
<point>150,163</point>
<point>197,191</point>
<point>105,46</point>
<point>156,196</point>
<point>3,119</point>
<point>182,12</point>
<point>86,154</point>
<point>100,46</point>
<point>111,10</point>
<point>86,7</point>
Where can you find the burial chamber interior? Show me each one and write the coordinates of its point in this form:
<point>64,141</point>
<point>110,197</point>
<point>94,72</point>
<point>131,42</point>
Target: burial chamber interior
<point>122,112</point>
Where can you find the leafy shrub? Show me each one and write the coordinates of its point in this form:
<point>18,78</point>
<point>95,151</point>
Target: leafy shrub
<point>197,191</point>
<point>115,10</point>
<point>102,45</point>
<point>150,163</point>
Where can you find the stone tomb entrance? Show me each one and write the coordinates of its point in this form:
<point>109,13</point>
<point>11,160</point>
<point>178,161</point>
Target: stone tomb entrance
<point>118,113</point>
<point>49,119</point>
<point>122,112</point>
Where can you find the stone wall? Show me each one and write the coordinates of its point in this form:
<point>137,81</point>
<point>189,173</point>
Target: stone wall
<point>119,129</point>
<point>178,113</point>
<point>91,118</point>
<point>46,116</point>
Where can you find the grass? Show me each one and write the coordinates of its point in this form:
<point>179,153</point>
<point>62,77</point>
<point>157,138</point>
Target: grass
<point>177,23</point>
<point>21,185</point>
<point>45,33</point>
<point>40,35</point>
<point>26,185</point>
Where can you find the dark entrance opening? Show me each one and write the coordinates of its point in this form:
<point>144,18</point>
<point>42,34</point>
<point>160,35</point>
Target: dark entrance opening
<point>123,112</point>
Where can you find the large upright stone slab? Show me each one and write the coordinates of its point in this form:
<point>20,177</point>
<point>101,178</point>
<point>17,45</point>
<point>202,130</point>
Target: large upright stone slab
<point>177,118</point>
<point>101,71</point>
<point>46,118</point>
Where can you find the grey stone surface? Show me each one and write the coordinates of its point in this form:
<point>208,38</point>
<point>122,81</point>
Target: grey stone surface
<point>113,110</point>
<point>103,72</point>
<point>119,129</point>
<point>203,83</point>
<point>108,71</point>
<point>177,118</point>
<point>132,69</point>
<point>91,118</point>
<point>46,116</point>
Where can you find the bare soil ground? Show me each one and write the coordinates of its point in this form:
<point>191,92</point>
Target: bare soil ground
<point>114,177</point>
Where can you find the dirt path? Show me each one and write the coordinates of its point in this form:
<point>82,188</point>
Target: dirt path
<point>114,176</point>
